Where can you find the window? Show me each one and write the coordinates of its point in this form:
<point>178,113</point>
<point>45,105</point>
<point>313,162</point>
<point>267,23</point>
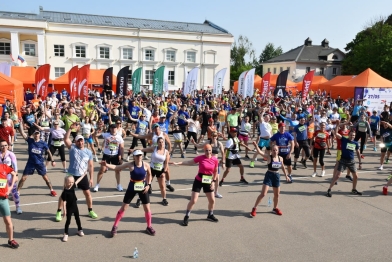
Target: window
<point>104,52</point>
<point>59,71</point>
<point>334,57</point>
<point>334,70</point>
<point>80,51</point>
<point>127,53</point>
<point>269,70</point>
<point>307,69</point>
<point>149,76</point>
<point>322,71</point>
<point>288,68</point>
<point>149,56</point>
<point>281,69</point>
<point>5,48</point>
<point>29,49</point>
<point>130,77</point>
<point>274,70</point>
<point>191,57</point>
<point>58,50</point>
<point>171,56</point>
<point>171,78</point>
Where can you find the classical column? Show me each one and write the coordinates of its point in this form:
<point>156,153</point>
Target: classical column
<point>41,49</point>
<point>15,45</point>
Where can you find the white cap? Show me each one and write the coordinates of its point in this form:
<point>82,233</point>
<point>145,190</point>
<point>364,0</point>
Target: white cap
<point>78,137</point>
<point>137,153</point>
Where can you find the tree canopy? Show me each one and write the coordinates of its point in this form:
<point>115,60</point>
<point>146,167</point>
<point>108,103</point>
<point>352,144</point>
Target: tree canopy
<point>372,47</point>
<point>268,53</point>
<point>240,50</point>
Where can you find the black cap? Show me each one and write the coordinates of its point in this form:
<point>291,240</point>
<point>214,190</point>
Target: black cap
<point>112,126</point>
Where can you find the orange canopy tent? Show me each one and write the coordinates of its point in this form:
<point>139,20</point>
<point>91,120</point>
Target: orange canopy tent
<point>26,75</point>
<point>329,86</point>
<point>12,90</point>
<point>95,78</point>
<point>367,78</point>
<point>317,80</point>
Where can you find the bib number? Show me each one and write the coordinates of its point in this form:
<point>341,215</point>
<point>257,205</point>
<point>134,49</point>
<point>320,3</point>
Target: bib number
<point>206,179</point>
<point>112,147</point>
<point>36,151</point>
<point>351,147</point>
<point>276,165</point>
<point>138,186</point>
<point>57,143</point>
<point>321,135</point>
<point>284,150</point>
<point>158,166</point>
<point>3,183</point>
<point>86,135</point>
<point>301,128</point>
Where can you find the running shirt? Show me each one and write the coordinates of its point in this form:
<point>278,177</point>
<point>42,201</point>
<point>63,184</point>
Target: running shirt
<point>9,159</point>
<point>310,131</point>
<point>274,165</point>
<point>134,111</point>
<point>182,117</point>
<point>155,138</point>
<point>245,128</point>
<point>69,120</point>
<point>374,120</point>
<point>138,173</point>
<point>112,144</point>
<point>320,139</point>
<point>283,141</point>
<point>157,160</point>
<point>164,126</point>
<point>86,130</point>
<point>29,119</point>
<point>222,116</point>
<point>4,171</point>
<point>301,131</point>
<point>57,134</point>
<point>78,160</point>
<point>348,148</point>
<point>141,127</point>
<point>363,126</point>
<point>233,145</point>
<point>177,134</point>
<point>343,133</point>
<point>265,129</point>
<point>233,119</point>
<point>207,166</point>
<point>36,151</point>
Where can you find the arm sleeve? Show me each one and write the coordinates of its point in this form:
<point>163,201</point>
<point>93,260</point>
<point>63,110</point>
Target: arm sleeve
<point>14,162</point>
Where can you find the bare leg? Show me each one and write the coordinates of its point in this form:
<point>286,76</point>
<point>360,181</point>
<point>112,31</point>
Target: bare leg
<point>276,196</point>
<point>193,201</point>
<point>263,193</point>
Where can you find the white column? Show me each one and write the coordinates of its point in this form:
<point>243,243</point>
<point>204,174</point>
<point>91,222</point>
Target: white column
<point>41,49</point>
<point>15,45</point>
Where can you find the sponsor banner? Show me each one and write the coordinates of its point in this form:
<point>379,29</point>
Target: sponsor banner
<point>376,98</point>
<point>241,83</point>
<point>72,78</point>
<point>358,94</point>
<point>306,84</point>
<point>266,83</point>
<point>136,78</point>
<point>157,85</point>
<point>42,81</point>
<point>218,81</point>
<point>249,83</point>
<point>166,80</point>
<point>122,81</point>
<point>107,79</point>
<point>82,81</point>
<point>280,89</point>
<point>191,81</point>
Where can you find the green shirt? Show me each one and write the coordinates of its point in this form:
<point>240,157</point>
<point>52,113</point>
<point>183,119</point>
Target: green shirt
<point>232,119</point>
<point>69,120</point>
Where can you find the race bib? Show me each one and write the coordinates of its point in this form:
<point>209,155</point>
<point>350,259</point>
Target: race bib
<point>3,183</point>
<point>113,147</point>
<point>284,149</point>
<point>301,128</point>
<point>36,151</point>
<point>350,147</point>
<point>158,166</point>
<point>57,143</point>
<point>311,130</point>
<point>45,123</point>
<point>321,135</point>
<point>86,135</point>
<point>373,120</point>
<point>206,179</point>
<point>276,164</point>
<point>138,186</point>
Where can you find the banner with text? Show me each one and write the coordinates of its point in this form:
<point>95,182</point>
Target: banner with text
<point>42,80</point>
<point>157,85</point>
<point>266,83</point>
<point>280,89</point>
<point>218,81</point>
<point>241,83</point>
<point>107,79</point>
<point>136,78</point>
<point>82,81</point>
<point>249,83</point>
<point>191,81</point>
<point>72,77</point>
<point>307,82</point>
<point>376,98</point>
<point>122,81</point>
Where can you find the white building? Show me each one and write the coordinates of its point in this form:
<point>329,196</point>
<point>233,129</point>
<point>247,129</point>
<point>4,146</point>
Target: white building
<point>64,40</point>
<point>325,60</point>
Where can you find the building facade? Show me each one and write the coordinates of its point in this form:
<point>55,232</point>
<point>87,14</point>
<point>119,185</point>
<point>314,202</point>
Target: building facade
<point>64,40</point>
<point>325,60</point>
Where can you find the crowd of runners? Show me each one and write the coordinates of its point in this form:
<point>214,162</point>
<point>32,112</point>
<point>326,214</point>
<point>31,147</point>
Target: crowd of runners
<point>284,132</point>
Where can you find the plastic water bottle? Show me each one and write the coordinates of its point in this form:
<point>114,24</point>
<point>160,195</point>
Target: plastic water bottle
<point>269,201</point>
<point>135,253</point>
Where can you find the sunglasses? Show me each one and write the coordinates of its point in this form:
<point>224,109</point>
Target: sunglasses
<point>118,123</point>
<point>3,145</point>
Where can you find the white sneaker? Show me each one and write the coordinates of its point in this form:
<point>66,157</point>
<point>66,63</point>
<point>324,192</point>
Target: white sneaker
<point>146,158</point>
<point>65,170</point>
<point>80,233</point>
<point>16,140</point>
<point>314,174</point>
<point>96,158</point>
<point>217,195</point>
<point>256,159</point>
<point>381,167</point>
<point>96,188</point>
<point>119,188</point>
<point>322,173</point>
<point>65,238</point>
<point>18,210</point>
<point>127,158</point>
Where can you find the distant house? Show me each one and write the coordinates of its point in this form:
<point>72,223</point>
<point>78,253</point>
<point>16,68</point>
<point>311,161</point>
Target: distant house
<point>325,60</point>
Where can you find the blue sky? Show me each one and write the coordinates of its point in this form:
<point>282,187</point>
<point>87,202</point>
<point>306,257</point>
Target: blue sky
<point>284,23</point>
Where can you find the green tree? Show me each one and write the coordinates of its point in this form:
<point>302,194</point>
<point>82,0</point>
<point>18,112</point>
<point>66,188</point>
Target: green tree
<point>241,51</point>
<point>268,53</point>
<point>371,48</point>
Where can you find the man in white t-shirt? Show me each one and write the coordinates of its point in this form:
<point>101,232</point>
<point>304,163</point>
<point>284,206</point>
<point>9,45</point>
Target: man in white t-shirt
<point>334,116</point>
<point>265,130</point>
<point>113,153</point>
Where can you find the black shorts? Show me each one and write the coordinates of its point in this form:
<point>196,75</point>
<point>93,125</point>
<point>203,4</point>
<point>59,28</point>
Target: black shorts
<point>286,162</point>
<point>111,159</point>
<point>384,149</point>
<point>156,173</point>
<point>317,152</point>
<point>130,194</point>
<point>204,130</point>
<point>231,162</point>
<point>374,132</point>
<point>84,184</point>
<point>198,185</point>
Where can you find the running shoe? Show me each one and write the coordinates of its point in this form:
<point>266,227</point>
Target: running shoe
<point>387,161</point>
<point>380,168</point>
<point>212,218</point>
<point>150,231</point>
<point>291,178</point>
<point>295,167</point>
<point>65,170</point>
<point>252,164</point>
<point>217,195</point>
<point>58,216</point>
<point>138,201</point>
<point>389,177</point>
<point>314,174</point>
<point>80,233</point>
<point>53,193</point>
<point>114,231</point>
<point>119,188</point>
<point>253,213</point>
<point>247,157</point>
<point>243,180</point>
<point>92,214</point>
<point>170,188</point>
<point>355,192</point>
<point>13,244</point>
<point>127,158</point>
<point>362,156</point>
<point>65,238</point>
<point>185,222</point>
<point>311,158</point>
<point>364,147</point>
<point>146,158</point>
<point>303,162</point>
<point>277,211</point>
<point>96,188</point>
<point>18,210</point>
<point>328,153</point>
<point>329,193</point>
<point>221,183</point>
<point>322,173</point>
<point>182,156</point>
<point>164,202</point>
<point>374,148</point>
<point>349,178</point>
<point>96,158</point>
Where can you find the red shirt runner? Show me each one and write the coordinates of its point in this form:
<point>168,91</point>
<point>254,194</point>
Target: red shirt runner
<point>4,171</point>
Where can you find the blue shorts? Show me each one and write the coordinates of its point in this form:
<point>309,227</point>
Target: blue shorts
<point>30,168</point>
<point>264,143</point>
<point>272,179</point>
<point>88,140</point>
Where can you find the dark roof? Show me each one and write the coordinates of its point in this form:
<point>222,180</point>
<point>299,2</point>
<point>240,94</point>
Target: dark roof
<point>304,53</point>
<point>113,21</point>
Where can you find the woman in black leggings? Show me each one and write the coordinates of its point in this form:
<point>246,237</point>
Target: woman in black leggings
<point>193,127</point>
<point>362,130</point>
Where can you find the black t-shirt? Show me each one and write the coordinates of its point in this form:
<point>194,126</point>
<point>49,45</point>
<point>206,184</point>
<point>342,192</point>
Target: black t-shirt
<point>385,116</point>
<point>206,116</point>
<point>69,196</point>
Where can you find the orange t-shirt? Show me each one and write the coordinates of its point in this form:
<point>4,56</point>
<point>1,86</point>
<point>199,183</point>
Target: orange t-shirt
<point>4,171</point>
<point>310,131</point>
<point>338,141</point>
<point>320,139</point>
